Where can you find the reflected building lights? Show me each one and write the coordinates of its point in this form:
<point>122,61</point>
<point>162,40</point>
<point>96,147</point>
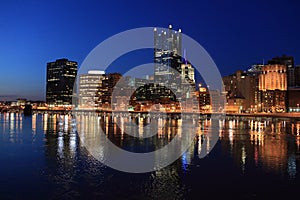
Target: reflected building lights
<point>208,147</point>
<point>12,121</point>
<point>66,123</point>
<point>272,128</point>
<point>73,145</point>
<point>21,123</point>
<point>199,142</point>
<point>243,159</point>
<point>266,150</point>
<point>45,121</point>
<point>141,127</point>
<point>17,122</point>
<point>60,145</point>
<point>231,134</point>
<point>106,125</point>
<point>298,129</point>
<point>54,122</point>
<point>11,128</point>
<point>292,167</point>
<point>33,123</point>
<point>169,134</point>
<point>179,131</point>
<point>122,128</point>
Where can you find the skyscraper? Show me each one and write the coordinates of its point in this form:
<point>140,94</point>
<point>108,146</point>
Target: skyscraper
<point>61,76</point>
<point>89,85</point>
<point>174,76</point>
<point>167,53</point>
<point>168,60</point>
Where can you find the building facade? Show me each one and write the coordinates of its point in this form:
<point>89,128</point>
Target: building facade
<point>105,92</point>
<point>273,77</point>
<point>204,99</point>
<point>167,61</point>
<point>273,86</point>
<point>61,75</point>
<point>89,85</point>
<point>241,92</point>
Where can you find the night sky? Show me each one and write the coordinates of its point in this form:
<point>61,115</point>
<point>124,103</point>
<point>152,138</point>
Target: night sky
<point>236,33</point>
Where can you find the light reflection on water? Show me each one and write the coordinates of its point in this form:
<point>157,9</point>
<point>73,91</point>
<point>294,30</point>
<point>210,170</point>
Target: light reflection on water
<point>49,150</point>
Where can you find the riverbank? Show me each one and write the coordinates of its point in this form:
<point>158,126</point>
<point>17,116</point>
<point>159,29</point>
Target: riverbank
<point>275,115</point>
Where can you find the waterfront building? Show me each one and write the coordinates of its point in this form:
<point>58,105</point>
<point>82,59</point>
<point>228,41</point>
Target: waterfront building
<point>242,92</point>
<point>294,99</point>
<point>61,75</point>
<point>204,99</point>
<point>21,102</point>
<point>175,75</point>
<point>273,86</point>
<point>215,97</point>
<point>273,77</point>
<point>89,85</point>
<point>105,92</point>
<point>235,104</point>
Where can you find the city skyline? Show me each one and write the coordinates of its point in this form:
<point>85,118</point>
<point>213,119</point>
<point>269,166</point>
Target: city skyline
<point>34,33</point>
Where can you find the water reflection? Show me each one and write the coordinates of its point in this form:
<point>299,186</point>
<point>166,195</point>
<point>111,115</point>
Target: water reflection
<point>270,143</point>
<point>252,145</point>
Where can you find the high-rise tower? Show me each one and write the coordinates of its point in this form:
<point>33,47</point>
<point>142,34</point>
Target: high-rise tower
<point>168,60</point>
<point>167,53</point>
<point>61,76</point>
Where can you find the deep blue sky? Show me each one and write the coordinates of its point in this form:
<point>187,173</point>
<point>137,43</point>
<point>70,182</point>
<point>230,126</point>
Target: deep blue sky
<point>235,33</point>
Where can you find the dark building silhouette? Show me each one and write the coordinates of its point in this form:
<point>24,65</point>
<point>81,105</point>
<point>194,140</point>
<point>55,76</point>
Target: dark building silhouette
<point>106,90</point>
<point>27,110</point>
<point>297,76</point>
<point>61,76</point>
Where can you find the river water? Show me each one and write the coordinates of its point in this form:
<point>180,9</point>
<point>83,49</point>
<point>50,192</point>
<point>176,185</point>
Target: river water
<point>43,157</point>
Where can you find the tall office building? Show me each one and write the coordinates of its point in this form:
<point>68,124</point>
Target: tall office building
<point>61,76</point>
<point>273,77</point>
<point>174,76</point>
<point>167,54</point>
<point>89,85</point>
<point>273,86</point>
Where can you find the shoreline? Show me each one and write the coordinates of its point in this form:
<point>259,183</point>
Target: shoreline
<point>273,115</point>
